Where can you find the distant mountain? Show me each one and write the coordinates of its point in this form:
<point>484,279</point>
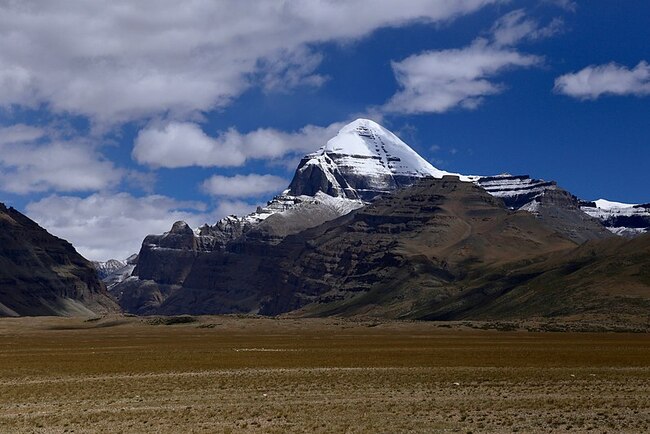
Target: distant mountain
<point>623,219</point>
<point>41,274</point>
<point>525,193</point>
<point>237,264</point>
<point>114,271</point>
<point>107,267</point>
<point>515,191</point>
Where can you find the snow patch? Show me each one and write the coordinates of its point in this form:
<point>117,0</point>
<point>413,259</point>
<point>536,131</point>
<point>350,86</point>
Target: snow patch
<point>609,205</point>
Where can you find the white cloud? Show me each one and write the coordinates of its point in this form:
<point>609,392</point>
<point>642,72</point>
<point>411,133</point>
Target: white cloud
<point>184,144</point>
<point>291,70</point>
<point>438,81</point>
<point>568,5</point>
<point>20,133</point>
<point>32,161</point>
<point>233,207</point>
<point>252,185</point>
<point>121,60</point>
<point>104,226</point>
<point>517,26</point>
<point>610,79</point>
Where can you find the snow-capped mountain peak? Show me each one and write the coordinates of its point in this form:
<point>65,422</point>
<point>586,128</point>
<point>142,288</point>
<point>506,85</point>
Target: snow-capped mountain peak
<point>368,148</point>
<point>362,161</point>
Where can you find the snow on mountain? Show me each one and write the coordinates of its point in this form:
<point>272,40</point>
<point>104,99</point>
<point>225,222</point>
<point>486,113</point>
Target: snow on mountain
<point>608,205</point>
<point>620,218</point>
<point>362,161</point>
<point>366,148</point>
<point>113,271</point>
<point>107,267</point>
<point>518,192</point>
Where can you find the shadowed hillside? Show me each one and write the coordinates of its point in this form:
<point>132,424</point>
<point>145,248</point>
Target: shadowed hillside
<point>41,274</point>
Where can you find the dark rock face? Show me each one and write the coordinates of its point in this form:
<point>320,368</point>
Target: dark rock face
<point>41,274</point>
<point>217,236</point>
<point>334,179</point>
<point>311,178</point>
<point>168,258</point>
<point>631,221</point>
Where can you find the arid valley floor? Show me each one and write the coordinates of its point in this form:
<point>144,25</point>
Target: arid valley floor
<point>230,374</point>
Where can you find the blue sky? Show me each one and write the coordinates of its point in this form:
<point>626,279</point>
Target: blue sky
<point>118,118</point>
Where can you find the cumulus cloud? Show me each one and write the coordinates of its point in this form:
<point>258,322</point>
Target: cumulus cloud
<point>104,226</point>
<point>121,60</point>
<point>252,185</point>
<point>595,81</point>
<point>32,161</point>
<point>438,81</point>
<point>185,144</point>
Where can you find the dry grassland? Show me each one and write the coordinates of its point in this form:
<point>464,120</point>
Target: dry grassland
<point>228,374</point>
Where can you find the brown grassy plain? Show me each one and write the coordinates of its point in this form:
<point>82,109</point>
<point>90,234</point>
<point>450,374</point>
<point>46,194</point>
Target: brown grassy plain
<point>229,374</point>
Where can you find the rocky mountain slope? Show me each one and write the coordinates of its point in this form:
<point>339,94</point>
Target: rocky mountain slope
<point>409,249</point>
<point>402,251</point>
<point>503,267</point>
<point>41,274</point>
<point>599,280</point>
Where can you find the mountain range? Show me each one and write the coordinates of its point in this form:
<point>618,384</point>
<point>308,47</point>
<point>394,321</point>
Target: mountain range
<point>367,226</point>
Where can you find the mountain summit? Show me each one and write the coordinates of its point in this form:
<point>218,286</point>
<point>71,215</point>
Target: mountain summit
<point>362,161</point>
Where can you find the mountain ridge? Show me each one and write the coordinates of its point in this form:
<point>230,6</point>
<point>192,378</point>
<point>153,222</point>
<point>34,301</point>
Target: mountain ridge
<point>41,274</point>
